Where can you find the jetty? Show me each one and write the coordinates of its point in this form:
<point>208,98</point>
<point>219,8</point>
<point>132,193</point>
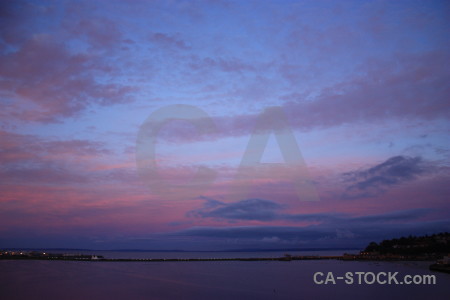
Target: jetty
<point>99,258</point>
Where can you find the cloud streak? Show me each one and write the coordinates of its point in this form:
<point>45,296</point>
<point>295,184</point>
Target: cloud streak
<point>249,209</point>
<point>375,180</point>
<point>269,211</point>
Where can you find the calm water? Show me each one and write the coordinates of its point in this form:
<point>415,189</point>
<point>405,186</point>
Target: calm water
<point>206,280</point>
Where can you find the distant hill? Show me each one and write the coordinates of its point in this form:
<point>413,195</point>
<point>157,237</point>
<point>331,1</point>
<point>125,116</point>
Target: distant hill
<point>413,245</point>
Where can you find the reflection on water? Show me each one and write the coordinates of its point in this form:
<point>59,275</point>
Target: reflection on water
<point>206,280</point>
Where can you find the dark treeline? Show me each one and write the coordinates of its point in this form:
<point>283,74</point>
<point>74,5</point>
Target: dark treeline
<point>413,245</point>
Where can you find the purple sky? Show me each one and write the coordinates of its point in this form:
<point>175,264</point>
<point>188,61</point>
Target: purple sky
<point>363,86</point>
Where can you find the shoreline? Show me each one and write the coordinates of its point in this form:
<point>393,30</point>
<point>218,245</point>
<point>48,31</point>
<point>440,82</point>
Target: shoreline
<point>286,258</point>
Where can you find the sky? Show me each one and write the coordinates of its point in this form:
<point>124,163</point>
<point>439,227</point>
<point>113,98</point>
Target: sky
<point>218,125</point>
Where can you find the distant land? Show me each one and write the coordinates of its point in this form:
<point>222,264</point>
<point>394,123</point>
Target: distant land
<point>434,247</point>
<point>168,250</point>
<point>427,245</point>
<point>420,248</point>
<point>431,245</point>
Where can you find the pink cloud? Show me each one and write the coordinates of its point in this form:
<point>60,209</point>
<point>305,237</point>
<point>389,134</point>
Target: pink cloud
<point>19,147</point>
<point>49,82</point>
<point>120,204</point>
<point>408,86</point>
<point>31,160</point>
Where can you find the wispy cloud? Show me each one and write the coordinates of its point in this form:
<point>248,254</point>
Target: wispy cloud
<point>249,209</point>
<point>268,211</point>
<point>376,179</point>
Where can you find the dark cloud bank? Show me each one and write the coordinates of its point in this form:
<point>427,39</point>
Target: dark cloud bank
<point>328,229</point>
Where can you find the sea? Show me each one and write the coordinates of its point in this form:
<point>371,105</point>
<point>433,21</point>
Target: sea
<point>39,279</point>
